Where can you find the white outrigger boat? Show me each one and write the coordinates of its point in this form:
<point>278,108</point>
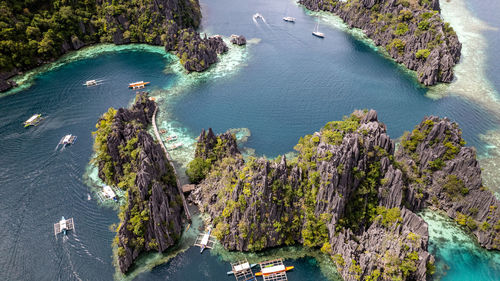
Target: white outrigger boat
<point>66,140</point>
<point>205,240</point>
<point>289,19</point>
<point>93,82</point>
<point>63,226</point>
<point>33,120</point>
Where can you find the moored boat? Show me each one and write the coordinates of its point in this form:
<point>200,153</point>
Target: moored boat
<point>316,31</point>
<point>175,145</point>
<point>273,270</point>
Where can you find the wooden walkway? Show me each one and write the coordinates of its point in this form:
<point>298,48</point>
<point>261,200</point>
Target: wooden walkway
<point>179,186</point>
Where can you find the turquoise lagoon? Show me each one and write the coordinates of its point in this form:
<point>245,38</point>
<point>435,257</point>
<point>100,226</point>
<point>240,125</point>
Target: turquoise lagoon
<point>282,85</point>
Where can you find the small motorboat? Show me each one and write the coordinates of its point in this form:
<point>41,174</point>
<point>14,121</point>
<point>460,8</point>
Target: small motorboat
<point>33,120</point>
<point>289,19</point>
<point>91,83</point>
<point>257,16</point>
<point>88,197</point>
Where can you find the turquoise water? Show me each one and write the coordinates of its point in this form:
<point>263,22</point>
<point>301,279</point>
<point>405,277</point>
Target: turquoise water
<point>284,85</point>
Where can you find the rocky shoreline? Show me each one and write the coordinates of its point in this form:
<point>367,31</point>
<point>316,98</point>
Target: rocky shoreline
<point>412,32</point>
<point>350,193</point>
<point>129,158</point>
<point>169,23</point>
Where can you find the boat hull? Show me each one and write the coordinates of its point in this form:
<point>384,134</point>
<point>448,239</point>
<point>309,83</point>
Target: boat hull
<point>318,34</point>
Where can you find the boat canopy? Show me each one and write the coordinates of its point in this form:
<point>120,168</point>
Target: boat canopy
<point>272,269</point>
<point>241,267</point>
<point>67,139</point>
<point>32,118</point>
<point>108,191</point>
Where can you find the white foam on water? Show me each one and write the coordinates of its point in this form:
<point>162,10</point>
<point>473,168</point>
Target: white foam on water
<point>228,65</point>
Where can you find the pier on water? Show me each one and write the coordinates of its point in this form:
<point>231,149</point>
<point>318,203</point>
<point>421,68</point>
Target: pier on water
<point>276,268</point>
<point>242,271</point>
<point>179,186</point>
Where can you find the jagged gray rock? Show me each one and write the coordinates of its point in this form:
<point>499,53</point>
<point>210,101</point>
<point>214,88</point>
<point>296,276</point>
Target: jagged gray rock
<point>445,175</point>
<point>238,40</point>
<point>151,220</point>
<point>314,200</point>
<point>349,193</point>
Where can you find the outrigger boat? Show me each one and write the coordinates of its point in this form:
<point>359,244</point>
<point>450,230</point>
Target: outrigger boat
<point>175,145</point>
<point>138,85</point>
<point>63,226</point>
<point>171,138</point>
<point>66,140</point>
<point>289,19</point>
<point>93,82</point>
<point>108,193</point>
<point>33,120</point>
<point>242,267</point>
<point>266,271</point>
<point>204,241</point>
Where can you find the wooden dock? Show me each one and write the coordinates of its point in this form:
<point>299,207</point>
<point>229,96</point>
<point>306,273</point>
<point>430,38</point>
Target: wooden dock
<point>179,186</point>
<point>243,271</point>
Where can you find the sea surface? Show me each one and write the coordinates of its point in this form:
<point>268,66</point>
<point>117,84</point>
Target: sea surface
<point>284,84</point>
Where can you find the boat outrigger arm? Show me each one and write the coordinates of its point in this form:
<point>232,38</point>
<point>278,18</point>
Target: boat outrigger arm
<point>63,226</point>
<point>205,241</point>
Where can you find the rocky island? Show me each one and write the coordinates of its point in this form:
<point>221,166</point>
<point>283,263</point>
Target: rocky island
<point>129,158</point>
<point>349,192</point>
<point>33,34</point>
<point>412,32</point>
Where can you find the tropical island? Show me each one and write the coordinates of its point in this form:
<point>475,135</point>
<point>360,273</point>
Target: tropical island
<point>412,32</point>
<point>129,158</point>
<point>349,192</point>
<point>37,32</point>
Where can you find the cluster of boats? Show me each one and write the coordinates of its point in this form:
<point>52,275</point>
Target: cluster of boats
<point>315,32</point>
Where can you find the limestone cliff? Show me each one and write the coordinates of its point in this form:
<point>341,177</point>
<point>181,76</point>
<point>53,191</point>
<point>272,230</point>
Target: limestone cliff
<point>412,32</point>
<point>350,193</point>
<point>73,25</point>
<point>130,159</point>
<point>330,197</point>
<point>443,173</point>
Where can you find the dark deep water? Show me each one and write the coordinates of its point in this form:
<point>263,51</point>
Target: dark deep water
<point>291,85</point>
